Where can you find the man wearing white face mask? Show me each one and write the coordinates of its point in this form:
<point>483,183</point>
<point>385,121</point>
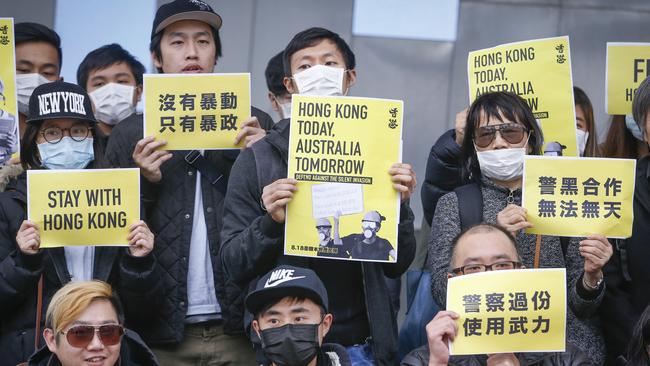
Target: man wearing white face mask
<point>316,62</point>
<point>278,95</point>
<point>38,61</point>
<point>113,79</point>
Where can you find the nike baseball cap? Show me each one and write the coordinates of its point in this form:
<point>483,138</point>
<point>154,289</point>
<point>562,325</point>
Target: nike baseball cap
<point>184,10</point>
<point>284,281</point>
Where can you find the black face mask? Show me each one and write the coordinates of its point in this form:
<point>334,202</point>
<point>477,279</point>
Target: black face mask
<point>291,344</point>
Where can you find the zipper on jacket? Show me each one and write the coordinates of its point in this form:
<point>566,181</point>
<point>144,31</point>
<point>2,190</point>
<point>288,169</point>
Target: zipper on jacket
<point>510,199</point>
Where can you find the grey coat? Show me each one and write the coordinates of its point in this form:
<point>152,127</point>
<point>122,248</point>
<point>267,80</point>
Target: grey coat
<point>583,330</point>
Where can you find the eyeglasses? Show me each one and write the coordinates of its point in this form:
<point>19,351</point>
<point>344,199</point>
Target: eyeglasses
<point>80,336</point>
<point>78,132</point>
<point>368,224</point>
<point>513,133</point>
<point>475,268</point>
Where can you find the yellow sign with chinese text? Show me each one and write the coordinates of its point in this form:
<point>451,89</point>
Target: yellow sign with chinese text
<point>628,64</point>
<point>9,140</point>
<point>340,151</point>
<point>579,196</point>
<point>521,310</point>
<point>83,207</point>
<point>539,71</point>
<point>196,111</point>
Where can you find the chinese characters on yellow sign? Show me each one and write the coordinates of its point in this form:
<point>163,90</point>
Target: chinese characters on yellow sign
<point>509,311</point>
<point>539,71</point>
<point>9,140</point>
<point>628,64</point>
<point>340,150</point>
<point>202,111</point>
<point>83,207</point>
<point>579,196</point>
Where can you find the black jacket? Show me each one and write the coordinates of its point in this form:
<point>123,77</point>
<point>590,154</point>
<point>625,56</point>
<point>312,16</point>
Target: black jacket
<point>627,274</point>
<point>443,172</point>
<point>253,242</point>
<point>133,352</point>
<point>572,357</point>
<point>135,279</point>
<point>170,205</point>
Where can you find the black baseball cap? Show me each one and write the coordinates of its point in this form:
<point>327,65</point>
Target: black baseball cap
<point>286,281</point>
<point>184,10</point>
<point>60,100</point>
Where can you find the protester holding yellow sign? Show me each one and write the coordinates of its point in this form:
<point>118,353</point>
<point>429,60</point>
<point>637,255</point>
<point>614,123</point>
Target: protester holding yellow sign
<point>539,71</point>
<point>500,132</point>
<point>495,308</point>
<point>61,135</point>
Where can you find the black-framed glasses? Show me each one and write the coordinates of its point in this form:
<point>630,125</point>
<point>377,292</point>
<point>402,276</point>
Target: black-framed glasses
<point>80,336</point>
<point>476,268</point>
<point>513,133</point>
<point>77,132</point>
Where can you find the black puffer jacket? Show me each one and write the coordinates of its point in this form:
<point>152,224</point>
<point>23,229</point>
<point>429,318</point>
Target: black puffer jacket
<point>252,241</point>
<point>443,173</point>
<point>572,357</point>
<point>170,206</point>
<point>133,352</point>
<point>137,280</point>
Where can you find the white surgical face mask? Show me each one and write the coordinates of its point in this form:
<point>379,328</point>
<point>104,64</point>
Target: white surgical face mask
<point>320,80</point>
<point>285,110</point>
<point>113,102</point>
<point>634,129</point>
<point>25,85</point>
<point>502,164</point>
<point>581,139</point>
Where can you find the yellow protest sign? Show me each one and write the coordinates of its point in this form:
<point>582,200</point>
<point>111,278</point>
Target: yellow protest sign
<point>196,111</point>
<point>579,196</point>
<point>521,310</point>
<point>628,64</point>
<point>9,140</point>
<point>340,150</point>
<point>83,207</point>
<point>539,71</point>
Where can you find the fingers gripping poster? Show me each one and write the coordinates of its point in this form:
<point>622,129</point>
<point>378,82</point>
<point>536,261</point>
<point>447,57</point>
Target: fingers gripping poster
<point>340,151</point>
<point>539,71</point>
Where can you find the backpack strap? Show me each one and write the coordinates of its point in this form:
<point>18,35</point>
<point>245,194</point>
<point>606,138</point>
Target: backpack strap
<point>470,204</point>
<point>210,171</point>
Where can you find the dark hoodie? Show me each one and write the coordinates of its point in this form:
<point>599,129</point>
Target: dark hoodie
<point>133,352</point>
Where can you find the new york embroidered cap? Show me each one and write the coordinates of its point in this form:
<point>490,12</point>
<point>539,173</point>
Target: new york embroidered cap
<point>60,100</point>
<point>184,10</point>
<point>286,281</point>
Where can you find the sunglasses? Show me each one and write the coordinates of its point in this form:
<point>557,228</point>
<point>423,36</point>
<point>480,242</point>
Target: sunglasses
<point>80,336</point>
<point>513,133</point>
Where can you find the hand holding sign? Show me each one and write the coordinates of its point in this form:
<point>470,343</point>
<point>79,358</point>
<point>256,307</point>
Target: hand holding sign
<point>596,250</point>
<point>440,330</point>
<point>513,218</point>
<point>149,159</point>
<point>140,239</point>
<point>250,132</point>
<point>403,178</point>
<point>461,120</point>
<point>28,238</point>
<point>275,197</point>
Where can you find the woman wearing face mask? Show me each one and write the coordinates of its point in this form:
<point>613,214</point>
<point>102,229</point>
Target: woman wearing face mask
<point>60,135</point>
<point>500,131</point>
<point>624,139</point>
<point>587,138</point>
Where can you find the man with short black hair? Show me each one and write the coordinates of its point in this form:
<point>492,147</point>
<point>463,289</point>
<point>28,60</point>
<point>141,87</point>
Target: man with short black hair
<point>317,62</point>
<point>113,79</point>
<point>183,191</point>
<point>278,95</point>
<point>291,318</point>
<point>480,248</point>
